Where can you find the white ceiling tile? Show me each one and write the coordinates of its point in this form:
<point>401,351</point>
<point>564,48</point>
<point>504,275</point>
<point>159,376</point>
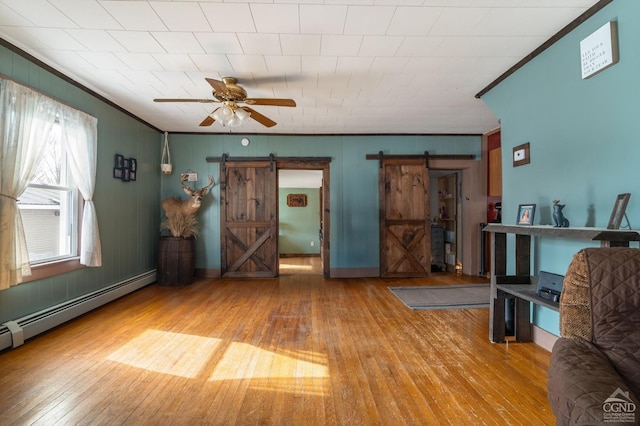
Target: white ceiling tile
<point>41,13</point>
<point>44,38</point>
<point>175,62</point>
<point>181,16</point>
<point>324,64</point>
<point>229,18</point>
<point>87,14</point>
<point>103,60</point>
<point>379,46</point>
<point>300,44</point>
<point>139,61</point>
<point>178,42</point>
<point>10,17</point>
<point>422,65</point>
<point>96,40</point>
<point>276,18</point>
<point>458,21</point>
<point>321,19</point>
<point>137,41</point>
<point>217,63</point>
<point>341,45</point>
<point>134,15</point>
<point>283,64</point>
<point>354,64</point>
<point>419,46</point>
<point>368,20</point>
<point>66,58</point>
<point>390,64</point>
<point>260,44</point>
<point>523,22</point>
<point>334,81</point>
<point>413,21</point>
<point>226,43</point>
<point>248,63</point>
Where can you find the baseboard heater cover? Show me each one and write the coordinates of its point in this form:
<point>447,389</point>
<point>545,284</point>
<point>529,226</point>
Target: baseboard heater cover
<point>14,333</point>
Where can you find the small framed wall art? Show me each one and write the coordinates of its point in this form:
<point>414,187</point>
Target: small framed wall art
<point>526,213</point>
<point>618,212</point>
<point>297,200</point>
<point>124,169</point>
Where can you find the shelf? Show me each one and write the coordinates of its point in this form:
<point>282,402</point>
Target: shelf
<point>521,286</point>
<point>595,234</point>
<point>528,293</point>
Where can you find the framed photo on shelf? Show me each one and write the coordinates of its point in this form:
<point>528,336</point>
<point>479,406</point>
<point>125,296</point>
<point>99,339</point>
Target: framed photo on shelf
<point>526,213</point>
<point>618,212</point>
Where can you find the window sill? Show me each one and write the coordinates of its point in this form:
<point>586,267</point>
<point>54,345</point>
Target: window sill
<point>46,270</point>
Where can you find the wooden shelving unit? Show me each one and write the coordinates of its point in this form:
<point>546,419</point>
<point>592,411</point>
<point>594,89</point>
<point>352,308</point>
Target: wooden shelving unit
<point>447,216</point>
<point>521,286</point>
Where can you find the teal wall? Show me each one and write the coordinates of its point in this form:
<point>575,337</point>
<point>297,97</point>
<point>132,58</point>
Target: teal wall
<point>583,136</point>
<point>127,212</point>
<point>353,183</point>
<point>299,226</point>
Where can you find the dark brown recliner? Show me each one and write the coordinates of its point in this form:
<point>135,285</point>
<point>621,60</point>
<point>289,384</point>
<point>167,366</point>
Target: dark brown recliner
<point>598,354</point>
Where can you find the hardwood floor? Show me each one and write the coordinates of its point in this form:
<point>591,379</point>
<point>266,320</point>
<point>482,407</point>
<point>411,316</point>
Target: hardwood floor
<point>300,265</point>
<point>297,350</point>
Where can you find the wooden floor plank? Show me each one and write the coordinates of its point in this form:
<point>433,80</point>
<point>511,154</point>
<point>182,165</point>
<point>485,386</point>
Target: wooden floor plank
<point>298,349</point>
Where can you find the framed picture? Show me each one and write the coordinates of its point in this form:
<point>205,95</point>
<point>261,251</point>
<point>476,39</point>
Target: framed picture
<point>618,212</point>
<point>526,213</point>
<point>126,175</point>
<point>118,161</point>
<point>117,173</point>
<point>126,163</point>
<point>133,165</point>
<point>297,200</point>
<point>132,175</point>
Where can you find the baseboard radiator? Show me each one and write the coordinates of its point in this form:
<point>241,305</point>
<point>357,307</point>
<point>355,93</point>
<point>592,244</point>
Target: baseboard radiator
<point>14,333</point>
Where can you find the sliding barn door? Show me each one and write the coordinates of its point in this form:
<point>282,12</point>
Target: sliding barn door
<point>405,225</point>
<point>249,219</point>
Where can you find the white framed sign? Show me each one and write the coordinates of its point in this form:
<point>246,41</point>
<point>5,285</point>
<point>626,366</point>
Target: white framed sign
<point>599,50</point>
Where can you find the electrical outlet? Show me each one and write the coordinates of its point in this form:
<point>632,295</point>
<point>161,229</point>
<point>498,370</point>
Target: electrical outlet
<point>313,243</point>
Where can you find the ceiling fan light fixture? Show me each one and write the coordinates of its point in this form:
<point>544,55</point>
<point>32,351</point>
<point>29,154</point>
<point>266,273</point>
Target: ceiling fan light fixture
<point>242,114</point>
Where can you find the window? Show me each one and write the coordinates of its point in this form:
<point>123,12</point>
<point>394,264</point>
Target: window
<point>49,206</point>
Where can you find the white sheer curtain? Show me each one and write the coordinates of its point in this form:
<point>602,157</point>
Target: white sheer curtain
<point>26,119</point>
<point>79,134</point>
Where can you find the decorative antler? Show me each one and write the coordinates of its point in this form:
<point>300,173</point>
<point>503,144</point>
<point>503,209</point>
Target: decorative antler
<point>207,187</point>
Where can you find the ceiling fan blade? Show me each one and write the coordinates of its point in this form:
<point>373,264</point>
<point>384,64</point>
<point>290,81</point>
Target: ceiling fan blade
<point>271,102</point>
<point>265,121</point>
<point>217,85</point>
<point>202,101</point>
<point>207,121</point>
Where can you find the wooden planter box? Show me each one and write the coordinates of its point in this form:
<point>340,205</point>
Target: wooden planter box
<point>176,261</point>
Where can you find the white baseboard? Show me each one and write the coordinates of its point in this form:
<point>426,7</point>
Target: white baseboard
<point>543,338</point>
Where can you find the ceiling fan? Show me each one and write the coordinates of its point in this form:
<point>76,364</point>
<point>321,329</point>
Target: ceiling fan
<point>230,94</point>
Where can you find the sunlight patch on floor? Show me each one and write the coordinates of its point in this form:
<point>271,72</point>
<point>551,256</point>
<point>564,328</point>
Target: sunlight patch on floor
<point>259,363</point>
<point>189,356</point>
<point>164,352</point>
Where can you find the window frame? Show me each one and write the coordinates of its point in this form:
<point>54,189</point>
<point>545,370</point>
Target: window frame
<point>69,262</point>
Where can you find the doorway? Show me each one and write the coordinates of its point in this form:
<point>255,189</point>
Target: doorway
<point>300,221</point>
<point>249,213</point>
